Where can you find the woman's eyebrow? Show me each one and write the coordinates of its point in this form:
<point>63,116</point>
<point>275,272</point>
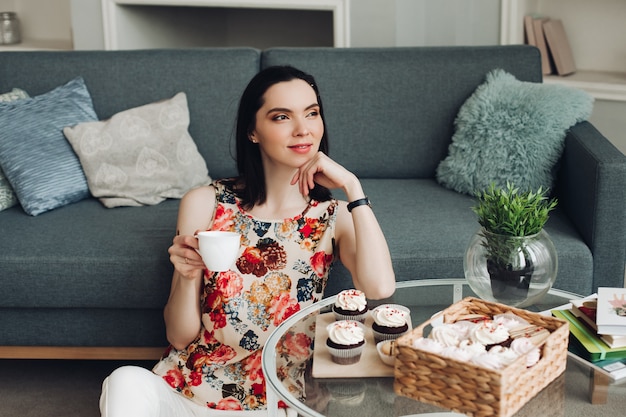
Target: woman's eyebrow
<point>286,110</point>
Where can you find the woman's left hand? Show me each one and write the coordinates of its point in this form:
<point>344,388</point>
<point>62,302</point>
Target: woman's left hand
<point>324,171</point>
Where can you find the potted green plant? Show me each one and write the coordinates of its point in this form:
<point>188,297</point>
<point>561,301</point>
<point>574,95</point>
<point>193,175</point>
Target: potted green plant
<point>511,251</point>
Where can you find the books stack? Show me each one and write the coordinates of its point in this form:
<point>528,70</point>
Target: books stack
<point>598,330</point>
<point>549,36</point>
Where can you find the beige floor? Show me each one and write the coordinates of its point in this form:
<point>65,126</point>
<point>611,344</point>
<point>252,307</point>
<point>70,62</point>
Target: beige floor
<point>54,388</point>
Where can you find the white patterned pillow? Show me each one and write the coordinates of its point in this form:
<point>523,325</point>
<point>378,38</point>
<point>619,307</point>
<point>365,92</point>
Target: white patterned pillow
<point>15,94</point>
<point>140,156</point>
<point>7,196</point>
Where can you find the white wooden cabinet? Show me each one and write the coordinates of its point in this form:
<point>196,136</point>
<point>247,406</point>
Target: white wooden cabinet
<point>597,35</point>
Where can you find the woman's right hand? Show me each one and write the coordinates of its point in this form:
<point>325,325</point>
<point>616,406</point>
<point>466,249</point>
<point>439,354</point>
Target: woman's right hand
<point>186,260</point>
<point>182,311</point>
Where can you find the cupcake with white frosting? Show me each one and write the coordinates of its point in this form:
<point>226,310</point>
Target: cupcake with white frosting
<point>350,305</point>
<point>346,340</point>
<point>390,322</point>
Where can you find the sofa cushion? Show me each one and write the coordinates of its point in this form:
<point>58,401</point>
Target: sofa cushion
<point>7,196</point>
<point>428,228</point>
<point>82,327</point>
<point>84,255</point>
<point>511,131</point>
<point>39,163</point>
<point>140,156</point>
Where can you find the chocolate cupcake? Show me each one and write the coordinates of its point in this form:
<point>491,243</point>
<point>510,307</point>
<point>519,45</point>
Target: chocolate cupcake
<point>346,340</point>
<point>390,322</point>
<point>350,305</point>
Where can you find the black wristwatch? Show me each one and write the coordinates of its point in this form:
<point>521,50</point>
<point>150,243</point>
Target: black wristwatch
<point>360,202</point>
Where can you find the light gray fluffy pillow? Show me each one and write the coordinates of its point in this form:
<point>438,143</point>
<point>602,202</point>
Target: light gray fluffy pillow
<point>511,131</point>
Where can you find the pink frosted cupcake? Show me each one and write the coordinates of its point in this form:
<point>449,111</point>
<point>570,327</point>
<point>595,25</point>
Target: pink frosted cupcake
<point>350,305</point>
<point>346,340</point>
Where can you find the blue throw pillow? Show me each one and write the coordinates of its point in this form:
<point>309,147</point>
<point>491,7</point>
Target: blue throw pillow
<point>7,197</point>
<point>511,131</point>
<point>40,164</point>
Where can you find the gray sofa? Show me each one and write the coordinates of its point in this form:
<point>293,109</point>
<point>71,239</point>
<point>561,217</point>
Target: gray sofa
<point>86,281</point>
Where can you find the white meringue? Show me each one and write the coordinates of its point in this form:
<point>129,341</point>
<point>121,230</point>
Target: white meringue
<point>505,355</point>
<point>474,347</point>
<point>428,345</point>
<point>523,346</point>
<point>489,333</point>
<point>445,334</point>
<point>486,360</point>
<point>464,328</point>
<point>509,320</point>
<point>453,352</point>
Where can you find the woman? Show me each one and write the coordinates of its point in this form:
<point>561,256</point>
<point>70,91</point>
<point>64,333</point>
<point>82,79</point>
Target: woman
<point>292,229</point>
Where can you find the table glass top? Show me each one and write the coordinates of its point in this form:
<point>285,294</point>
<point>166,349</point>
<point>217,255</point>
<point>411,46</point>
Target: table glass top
<point>569,395</point>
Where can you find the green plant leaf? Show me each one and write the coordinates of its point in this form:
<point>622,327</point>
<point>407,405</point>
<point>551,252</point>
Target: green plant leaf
<point>508,212</point>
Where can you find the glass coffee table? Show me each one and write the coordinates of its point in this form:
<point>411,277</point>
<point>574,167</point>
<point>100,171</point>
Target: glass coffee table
<point>578,392</point>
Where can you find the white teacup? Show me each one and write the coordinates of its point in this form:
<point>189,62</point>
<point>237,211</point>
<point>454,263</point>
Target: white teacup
<point>218,249</point>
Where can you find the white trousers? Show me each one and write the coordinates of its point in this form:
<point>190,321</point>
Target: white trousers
<point>132,391</point>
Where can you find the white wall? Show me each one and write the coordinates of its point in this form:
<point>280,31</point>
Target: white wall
<point>609,117</point>
<point>372,23</point>
<point>424,22</point>
<point>42,20</point>
<point>447,22</point>
<point>86,17</point>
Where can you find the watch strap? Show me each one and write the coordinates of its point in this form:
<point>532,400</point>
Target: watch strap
<point>360,202</point>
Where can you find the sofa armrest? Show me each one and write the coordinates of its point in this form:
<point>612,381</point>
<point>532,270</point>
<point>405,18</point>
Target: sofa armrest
<point>591,188</point>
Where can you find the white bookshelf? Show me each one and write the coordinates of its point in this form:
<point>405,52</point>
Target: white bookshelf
<point>39,45</point>
<point>597,35</point>
<point>128,28</point>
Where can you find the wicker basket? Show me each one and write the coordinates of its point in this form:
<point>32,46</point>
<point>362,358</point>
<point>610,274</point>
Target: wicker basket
<point>472,390</point>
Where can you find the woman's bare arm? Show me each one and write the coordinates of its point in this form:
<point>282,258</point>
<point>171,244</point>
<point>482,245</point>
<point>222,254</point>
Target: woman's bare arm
<point>182,312</point>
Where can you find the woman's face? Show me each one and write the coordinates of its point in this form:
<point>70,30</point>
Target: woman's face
<point>288,126</point>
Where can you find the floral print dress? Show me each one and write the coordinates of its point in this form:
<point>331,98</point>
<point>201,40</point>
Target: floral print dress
<point>282,267</point>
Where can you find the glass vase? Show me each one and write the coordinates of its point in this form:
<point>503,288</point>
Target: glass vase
<point>516,271</point>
